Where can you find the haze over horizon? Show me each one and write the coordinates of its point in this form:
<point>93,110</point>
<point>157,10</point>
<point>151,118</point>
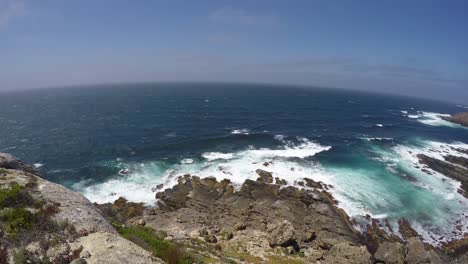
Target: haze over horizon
<point>416,48</point>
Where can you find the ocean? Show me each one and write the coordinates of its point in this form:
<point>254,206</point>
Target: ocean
<point>107,141</point>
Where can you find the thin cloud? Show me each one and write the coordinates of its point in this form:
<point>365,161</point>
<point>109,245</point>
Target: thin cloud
<point>229,15</point>
<point>9,10</point>
<point>346,66</point>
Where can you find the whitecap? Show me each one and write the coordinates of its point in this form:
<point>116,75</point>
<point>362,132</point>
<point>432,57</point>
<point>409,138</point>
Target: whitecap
<point>377,138</point>
<point>186,161</point>
<point>38,165</point>
<point>435,119</point>
<point>242,131</point>
<point>210,156</point>
<point>378,125</point>
<point>279,137</point>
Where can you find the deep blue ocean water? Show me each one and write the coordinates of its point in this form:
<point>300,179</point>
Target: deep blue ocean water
<point>122,140</point>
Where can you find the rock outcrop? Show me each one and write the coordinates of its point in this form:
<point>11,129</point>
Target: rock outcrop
<point>199,220</point>
<point>453,167</point>
<point>262,221</point>
<point>43,222</point>
<point>111,248</point>
<point>459,118</point>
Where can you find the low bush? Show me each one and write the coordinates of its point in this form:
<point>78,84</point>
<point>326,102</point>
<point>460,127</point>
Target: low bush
<point>148,239</point>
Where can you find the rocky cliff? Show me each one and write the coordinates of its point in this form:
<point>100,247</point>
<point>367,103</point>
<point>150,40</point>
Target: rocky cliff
<point>43,222</point>
<point>199,220</point>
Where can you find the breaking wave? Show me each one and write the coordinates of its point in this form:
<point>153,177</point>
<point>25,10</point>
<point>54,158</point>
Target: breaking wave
<point>390,183</point>
<point>433,119</point>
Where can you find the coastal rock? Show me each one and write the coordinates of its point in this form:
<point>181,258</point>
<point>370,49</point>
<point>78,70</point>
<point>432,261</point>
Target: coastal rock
<point>405,229</point>
<point>7,161</point>
<point>391,253</point>
<point>260,215</point>
<point>416,252</point>
<point>452,171</point>
<point>313,184</point>
<point>111,248</point>
<point>265,176</point>
<point>55,224</point>
<point>344,253</point>
<point>73,208</point>
<point>281,233</point>
<point>458,118</point>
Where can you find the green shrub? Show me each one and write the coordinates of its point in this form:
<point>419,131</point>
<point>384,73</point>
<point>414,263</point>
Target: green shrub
<point>3,171</point>
<point>17,219</point>
<point>20,256</point>
<point>148,239</point>
<point>8,196</point>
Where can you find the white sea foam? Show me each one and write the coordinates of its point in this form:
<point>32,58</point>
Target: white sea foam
<point>186,161</point>
<point>38,165</point>
<point>377,138</point>
<point>378,125</point>
<point>377,190</point>
<point>279,137</point>
<point>243,131</point>
<point>434,192</point>
<point>137,184</point>
<point>210,156</point>
<point>434,119</point>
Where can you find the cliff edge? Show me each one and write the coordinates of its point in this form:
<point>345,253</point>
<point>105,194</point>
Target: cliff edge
<point>44,222</point>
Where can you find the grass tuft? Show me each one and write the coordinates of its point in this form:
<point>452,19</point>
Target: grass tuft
<point>148,239</point>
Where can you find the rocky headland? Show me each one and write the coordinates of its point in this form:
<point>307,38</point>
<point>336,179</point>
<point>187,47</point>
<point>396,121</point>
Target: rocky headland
<point>199,220</point>
<point>458,118</point>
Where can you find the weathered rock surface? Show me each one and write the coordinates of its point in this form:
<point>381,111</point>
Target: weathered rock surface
<point>259,213</point>
<point>343,253</point>
<point>391,253</point>
<point>112,248</point>
<point>265,176</point>
<point>61,223</point>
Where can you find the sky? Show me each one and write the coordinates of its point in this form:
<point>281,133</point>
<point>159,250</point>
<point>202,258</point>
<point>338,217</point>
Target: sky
<point>415,48</point>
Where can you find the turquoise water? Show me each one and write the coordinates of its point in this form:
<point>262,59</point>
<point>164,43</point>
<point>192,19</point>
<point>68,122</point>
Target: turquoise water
<point>124,140</point>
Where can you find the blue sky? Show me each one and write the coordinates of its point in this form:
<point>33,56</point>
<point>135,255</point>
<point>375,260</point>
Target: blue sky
<point>418,48</point>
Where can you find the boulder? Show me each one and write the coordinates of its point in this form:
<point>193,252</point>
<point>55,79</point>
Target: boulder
<point>416,252</point>
<point>7,161</point>
<point>313,184</point>
<point>265,176</point>
<point>390,253</point>
<point>344,253</point>
<point>281,233</point>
